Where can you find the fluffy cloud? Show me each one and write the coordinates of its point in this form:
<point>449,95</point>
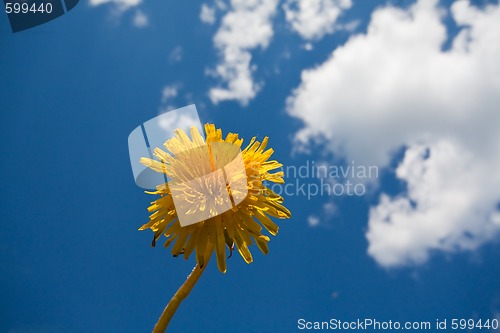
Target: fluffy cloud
<point>140,19</point>
<point>328,211</point>
<point>207,14</point>
<point>450,205</point>
<point>313,19</point>
<point>396,86</point>
<point>121,4</point>
<point>246,26</point>
<point>313,221</point>
<point>168,93</point>
<point>176,54</point>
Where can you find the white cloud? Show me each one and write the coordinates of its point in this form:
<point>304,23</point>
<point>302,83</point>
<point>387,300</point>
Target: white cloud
<point>350,26</point>
<point>140,19</point>
<point>327,213</point>
<point>220,4</point>
<point>313,19</point>
<point>313,221</point>
<point>121,4</point>
<point>329,210</point>
<point>168,93</point>
<point>449,205</point>
<point>308,47</point>
<point>176,54</point>
<point>207,14</point>
<point>395,87</point>
<point>245,27</point>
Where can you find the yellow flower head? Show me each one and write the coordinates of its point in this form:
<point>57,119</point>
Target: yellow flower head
<point>238,226</point>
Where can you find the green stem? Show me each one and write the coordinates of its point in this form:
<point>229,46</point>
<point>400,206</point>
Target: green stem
<point>180,295</point>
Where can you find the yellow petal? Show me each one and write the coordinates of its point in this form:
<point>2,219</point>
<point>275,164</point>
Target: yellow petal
<point>154,165</point>
<point>243,248</point>
<point>181,242</point>
<point>262,244</point>
<point>220,248</point>
<point>266,222</point>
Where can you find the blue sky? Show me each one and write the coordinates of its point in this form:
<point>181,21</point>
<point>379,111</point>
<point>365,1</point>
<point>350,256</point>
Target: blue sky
<point>407,89</point>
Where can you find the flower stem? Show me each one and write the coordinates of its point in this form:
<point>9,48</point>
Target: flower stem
<point>180,295</point>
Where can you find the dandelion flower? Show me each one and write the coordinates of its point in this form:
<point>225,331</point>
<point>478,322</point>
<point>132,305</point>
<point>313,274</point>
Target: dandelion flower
<point>237,206</point>
<point>240,226</point>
